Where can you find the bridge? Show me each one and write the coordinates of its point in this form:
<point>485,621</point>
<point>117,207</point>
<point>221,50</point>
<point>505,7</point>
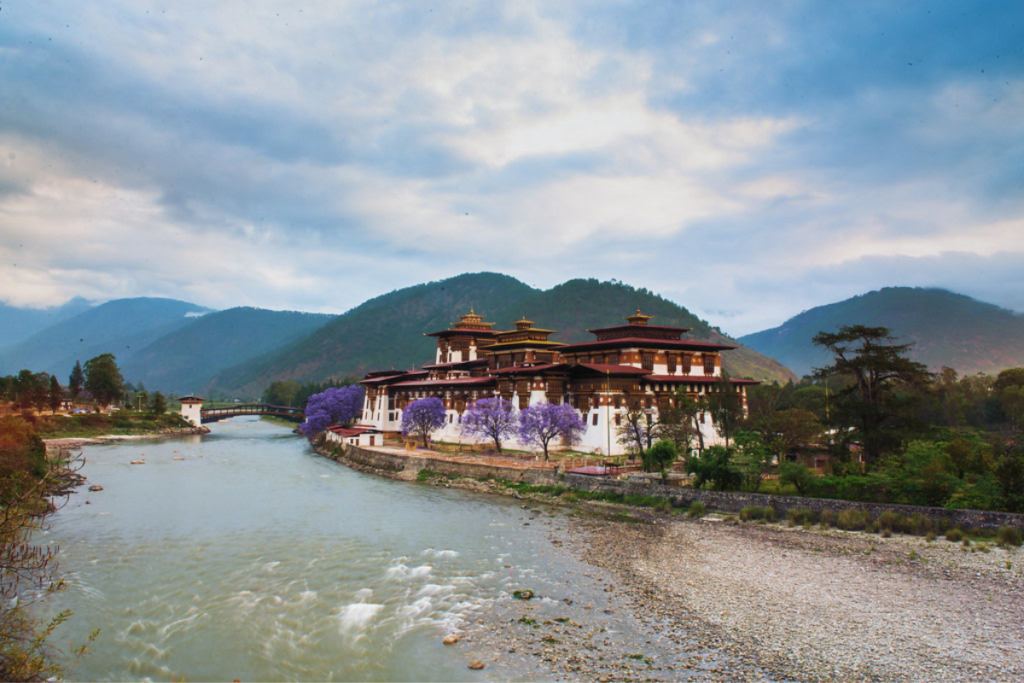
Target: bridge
<point>223,413</point>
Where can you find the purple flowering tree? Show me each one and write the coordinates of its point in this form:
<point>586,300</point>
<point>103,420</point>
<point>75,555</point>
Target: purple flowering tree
<point>423,417</point>
<point>340,405</point>
<point>541,424</point>
<point>490,418</point>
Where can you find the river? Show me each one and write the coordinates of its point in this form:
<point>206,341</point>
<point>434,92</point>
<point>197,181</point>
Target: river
<point>242,554</point>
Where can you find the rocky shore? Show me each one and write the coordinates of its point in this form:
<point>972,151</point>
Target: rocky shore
<point>677,599</point>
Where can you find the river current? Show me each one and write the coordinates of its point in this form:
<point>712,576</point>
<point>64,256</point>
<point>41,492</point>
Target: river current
<point>242,554</point>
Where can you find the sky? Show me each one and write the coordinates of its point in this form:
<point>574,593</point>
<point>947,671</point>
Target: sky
<point>747,160</point>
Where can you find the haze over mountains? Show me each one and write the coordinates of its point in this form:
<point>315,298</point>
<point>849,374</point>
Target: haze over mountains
<point>179,347</point>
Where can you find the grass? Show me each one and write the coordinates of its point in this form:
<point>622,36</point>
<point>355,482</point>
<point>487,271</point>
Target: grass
<point>122,423</point>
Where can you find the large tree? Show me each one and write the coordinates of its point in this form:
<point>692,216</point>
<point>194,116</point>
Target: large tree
<point>76,380</point>
<point>541,424</point>
<point>103,379</point>
<point>423,417</point>
<point>340,405</point>
<point>725,406</point>
<point>490,418</point>
<point>875,367</point>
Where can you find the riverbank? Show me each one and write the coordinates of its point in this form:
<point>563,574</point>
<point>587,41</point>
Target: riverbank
<point>710,599</point>
<point>74,443</point>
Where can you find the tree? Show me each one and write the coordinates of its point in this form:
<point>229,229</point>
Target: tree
<point>725,406</point>
<point>158,404</point>
<point>103,379</point>
<point>660,457</point>
<point>76,381</point>
<point>423,417</point>
<point>680,422</point>
<point>490,418</point>
<point>636,432</point>
<point>341,405</point>
<point>541,424</point>
<point>753,459</point>
<point>56,394</point>
<point>281,393</point>
<point>799,475</point>
<point>714,466</point>
<point>876,367</point>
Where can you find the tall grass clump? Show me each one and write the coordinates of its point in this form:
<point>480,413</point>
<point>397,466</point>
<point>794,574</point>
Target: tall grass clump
<point>800,517</point>
<point>754,513</point>
<point>828,519</point>
<point>696,510</point>
<point>1010,536</point>
<point>853,520</point>
<point>955,535</point>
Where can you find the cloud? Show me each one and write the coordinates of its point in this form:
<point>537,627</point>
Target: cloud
<point>747,161</point>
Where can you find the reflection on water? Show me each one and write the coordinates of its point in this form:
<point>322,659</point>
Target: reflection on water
<point>242,554</point>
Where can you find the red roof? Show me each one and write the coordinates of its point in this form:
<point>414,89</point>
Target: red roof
<point>613,369</point>
<point>402,377</point>
<point>527,369</point>
<point>349,431</point>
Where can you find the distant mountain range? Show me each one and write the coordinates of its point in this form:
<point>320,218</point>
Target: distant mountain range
<point>180,347</point>
<point>947,329</point>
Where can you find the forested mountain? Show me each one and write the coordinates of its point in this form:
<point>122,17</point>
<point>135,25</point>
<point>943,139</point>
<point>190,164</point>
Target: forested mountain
<point>947,329</point>
<point>388,331</point>
<point>121,327</point>
<point>18,324</point>
<point>185,360</point>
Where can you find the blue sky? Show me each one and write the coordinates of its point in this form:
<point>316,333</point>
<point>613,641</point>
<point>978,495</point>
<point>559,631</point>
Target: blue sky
<point>747,160</point>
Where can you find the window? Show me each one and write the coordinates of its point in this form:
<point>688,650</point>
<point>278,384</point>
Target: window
<point>648,361</point>
<point>687,364</point>
<point>671,364</point>
<point>613,359</point>
<point>594,421</point>
<point>709,364</point>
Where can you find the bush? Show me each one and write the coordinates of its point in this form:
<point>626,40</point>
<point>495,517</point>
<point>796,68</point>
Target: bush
<point>893,521</point>
<point>1010,536</point>
<point>853,520</point>
<point>799,475</point>
<point>955,535</point>
<point>696,510</point>
<point>800,517</point>
<point>828,519</point>
<point>753,513</point>
<point>919,525</point>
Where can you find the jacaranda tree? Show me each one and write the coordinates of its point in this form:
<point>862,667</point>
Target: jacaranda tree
<point>341,405</point>
<point>423,417</point>
<point>541,424</point>
<point>490,418</point>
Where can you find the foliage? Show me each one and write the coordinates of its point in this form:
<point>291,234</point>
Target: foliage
<point>157,404</point>
<point>490,418</point>
<point>874,367</point>
<point>714,466</point>
<point>423,417</point>
<point>282,393</point>
<point>799,476</point>
<point>76,380</point>
<point>725,406</point>
<point>1010,536</point>
<point>541,424</point>
<point>636,432</point>
<point>30,492</point>
<point>696,510</point>
<point>680,422</point>
<point>753,460</point>
<point>341,405</point>
<point>660,457</point>
<point>103,379</point>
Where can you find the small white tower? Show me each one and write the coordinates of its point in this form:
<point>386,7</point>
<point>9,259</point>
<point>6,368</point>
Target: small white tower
<point>191,407</point>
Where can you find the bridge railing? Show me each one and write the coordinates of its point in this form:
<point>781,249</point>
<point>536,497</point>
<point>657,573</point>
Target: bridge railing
<point>219,413</point>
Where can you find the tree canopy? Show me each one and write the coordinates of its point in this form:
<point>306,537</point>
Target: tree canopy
<point>541,424</point>
<point>490,418</point>
<point>423,417</point>
<point>103,379</point>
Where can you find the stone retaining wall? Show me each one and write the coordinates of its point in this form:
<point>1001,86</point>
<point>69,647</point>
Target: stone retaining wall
<point>730,501</point>
<point>394,462</point>
<point>724,501</point>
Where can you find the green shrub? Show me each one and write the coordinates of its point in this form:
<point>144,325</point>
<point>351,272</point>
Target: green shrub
<point>1010,536</point>
<point>696,510</point>
<point>800,517</point>
<point>828,519</point>
<point>769,514</point>
<point>920,525</point>
<point>751,513</point>
<point>893,521</point>
<point>930,537</point>
<point>955,535</point>
<point>853,520</point>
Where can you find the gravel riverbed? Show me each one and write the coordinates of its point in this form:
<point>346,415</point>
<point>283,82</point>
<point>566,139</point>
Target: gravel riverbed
<point>668,598</point>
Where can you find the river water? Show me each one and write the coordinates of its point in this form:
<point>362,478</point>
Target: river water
<point>242,554</point>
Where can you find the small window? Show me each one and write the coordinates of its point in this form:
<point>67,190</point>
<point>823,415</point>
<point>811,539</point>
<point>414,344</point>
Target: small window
<point>648,361</point>
<point>618,420</point>
<point>671,364</point>
<point>594,421</point>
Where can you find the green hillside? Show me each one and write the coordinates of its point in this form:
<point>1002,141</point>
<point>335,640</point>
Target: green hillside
<point>121,327</point>
<point>384,332</point>
<point>947,329</point>
<point>18,324</point>
<point>387,331</point>
<point>185,360</point>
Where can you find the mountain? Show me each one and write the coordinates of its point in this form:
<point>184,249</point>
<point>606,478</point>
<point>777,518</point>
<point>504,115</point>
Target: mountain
<point>187,359</point>
<point>121,327</point>
<point>18,324</point>
<point>387,331</point>
<point>384,332</point>
<point>947,329</point>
